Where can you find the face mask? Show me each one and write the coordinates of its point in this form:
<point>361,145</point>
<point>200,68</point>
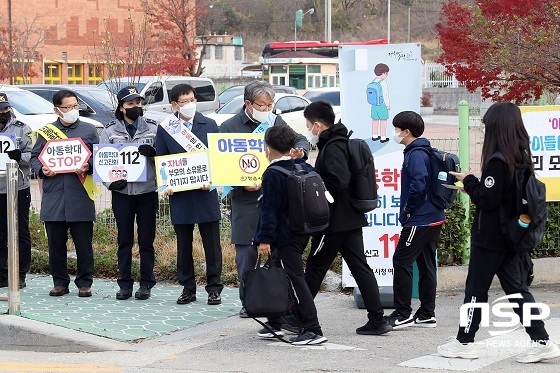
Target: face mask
<point>70,116</point>
<point>188,110</point>
<point>133,113</point>
<point>260,116</point>
<point>396,136</point>
<point>5,117</point>
<point>313,139</point>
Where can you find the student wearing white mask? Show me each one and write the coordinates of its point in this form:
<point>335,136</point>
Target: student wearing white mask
<point>199,206</point>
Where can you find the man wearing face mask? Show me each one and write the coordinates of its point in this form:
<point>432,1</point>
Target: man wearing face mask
<point>421,222</point>
<point>135,200</point>
<point>201,206</point>
<point>255,116</point>
<point>67,201</point>
<point>21,132</point>
<point>344,233</point>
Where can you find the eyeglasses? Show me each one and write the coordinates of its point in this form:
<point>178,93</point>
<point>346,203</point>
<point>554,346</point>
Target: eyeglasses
<point>192,101</point>
<point>5,110</point>
<point>70,107</point>
<point>261,107</point>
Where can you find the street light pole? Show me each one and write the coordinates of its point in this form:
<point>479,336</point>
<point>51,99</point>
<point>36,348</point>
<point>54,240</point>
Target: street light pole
<point>310,11</point>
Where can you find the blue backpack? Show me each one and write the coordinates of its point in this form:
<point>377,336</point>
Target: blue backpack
<point>374,93</point>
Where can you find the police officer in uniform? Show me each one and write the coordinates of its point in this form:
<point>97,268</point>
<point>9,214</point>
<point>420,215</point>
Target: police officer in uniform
<point>21,154</point>
<point>135,199</point>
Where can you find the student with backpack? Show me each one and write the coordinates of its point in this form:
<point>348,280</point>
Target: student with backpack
<point>344,233</point>
<point>492,250</point>
<point>421,222</point>
<point>274,235</point>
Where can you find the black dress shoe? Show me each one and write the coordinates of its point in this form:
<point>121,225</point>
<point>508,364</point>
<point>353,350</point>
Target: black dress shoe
<point>84,292</point>
<point>214,298</point>
<point>187,296</point>
<point>22,283</point>
<point>384,140</point>
<point>243,313</point>
<point>59,291</point>
<point>143,293</point>
<point>376,138</point>
<point>124,293</point>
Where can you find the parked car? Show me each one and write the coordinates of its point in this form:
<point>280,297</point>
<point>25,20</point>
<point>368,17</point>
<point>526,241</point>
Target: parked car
<point>155,90</point>
<point>96,103</point>
<point>237,90</point>
<point>331,95</point>
<point>34,110</point>
<point>289,106</point>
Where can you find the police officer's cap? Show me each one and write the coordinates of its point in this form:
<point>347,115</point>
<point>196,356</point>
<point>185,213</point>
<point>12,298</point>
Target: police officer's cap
<point>4,101</point>
<point>128,94</point>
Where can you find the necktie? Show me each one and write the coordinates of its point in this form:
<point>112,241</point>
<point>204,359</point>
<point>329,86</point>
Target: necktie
<point>131,130</point>
<point>188,125</point>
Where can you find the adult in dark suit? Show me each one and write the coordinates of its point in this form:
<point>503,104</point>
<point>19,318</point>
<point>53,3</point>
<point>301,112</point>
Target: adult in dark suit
<point>192,207</point>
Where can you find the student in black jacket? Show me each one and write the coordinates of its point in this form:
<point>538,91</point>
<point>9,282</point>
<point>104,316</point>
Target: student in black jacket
<point>344,233</point>
<point>490,252</point>
<point>274,233</point>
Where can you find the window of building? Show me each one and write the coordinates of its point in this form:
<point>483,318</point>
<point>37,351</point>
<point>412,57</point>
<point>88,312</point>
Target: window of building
<point>297,76</point>
<point>218,51</point>
<point>238,53</point>
<point>52,73</point>
<point>75,74</point>
<point>95,74</point>
<point>314,69</point>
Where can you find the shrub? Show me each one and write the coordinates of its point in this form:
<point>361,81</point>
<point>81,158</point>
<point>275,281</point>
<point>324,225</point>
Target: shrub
<point>426,99</point>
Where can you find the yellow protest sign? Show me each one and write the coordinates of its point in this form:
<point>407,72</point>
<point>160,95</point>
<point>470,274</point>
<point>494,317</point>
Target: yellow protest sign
<point>236,159</point>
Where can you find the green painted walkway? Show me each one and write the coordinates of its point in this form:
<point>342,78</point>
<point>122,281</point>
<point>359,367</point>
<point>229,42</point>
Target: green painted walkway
<point>122,320</point>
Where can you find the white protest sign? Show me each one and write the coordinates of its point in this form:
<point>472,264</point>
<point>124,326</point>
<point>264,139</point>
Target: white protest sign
<point>113,162</point>
<point>182,171</point>
<point>65,156</point>
<point>7,143</point>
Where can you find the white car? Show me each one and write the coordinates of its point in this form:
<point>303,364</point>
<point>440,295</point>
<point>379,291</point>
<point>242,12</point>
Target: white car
<point>34,110</point>
<point>288,106</point>
<point>331,94</point>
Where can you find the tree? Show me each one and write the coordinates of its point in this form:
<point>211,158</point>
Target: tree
<point>176,21</point>
<point>18,49</point>
<point>507,48</point>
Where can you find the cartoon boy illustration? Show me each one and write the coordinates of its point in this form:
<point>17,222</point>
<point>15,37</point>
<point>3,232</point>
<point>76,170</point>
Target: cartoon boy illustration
<point>163,173</point>
<point>377,93</point>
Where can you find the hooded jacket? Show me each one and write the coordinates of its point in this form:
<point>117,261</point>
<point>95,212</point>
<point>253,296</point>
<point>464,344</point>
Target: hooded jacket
<point>416,208</point>
<point>333,166</point>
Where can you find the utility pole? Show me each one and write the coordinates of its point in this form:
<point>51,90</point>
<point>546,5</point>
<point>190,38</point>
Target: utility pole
<point>389,22</point>
<point>408,32</point>
<point>328,18</point>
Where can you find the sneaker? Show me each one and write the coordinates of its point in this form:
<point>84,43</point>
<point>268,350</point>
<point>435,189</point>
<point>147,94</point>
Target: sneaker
<point>124,293</point>
<point>425,322</point>
<point>291,324</point>
<point>540,351</point>
<point>265,333</point>
<point>243,313</point>
<point>371,328</point>
<point>398,321</point>
<point>214,298</point>
<point>143,293</point>
<point>455,348</point>
<point>307,338</point>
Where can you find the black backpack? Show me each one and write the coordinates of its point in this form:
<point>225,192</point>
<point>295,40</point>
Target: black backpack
<point>440,161</point>
<point>530,199</point>
<point>307,204</point>
<point>363,186</point>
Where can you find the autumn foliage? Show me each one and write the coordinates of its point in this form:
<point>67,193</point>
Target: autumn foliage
<point>507,48</point>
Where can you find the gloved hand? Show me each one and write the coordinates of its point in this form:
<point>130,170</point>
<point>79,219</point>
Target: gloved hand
<point>147,150</point>
<point>118,185</point>
<point>15,155</point>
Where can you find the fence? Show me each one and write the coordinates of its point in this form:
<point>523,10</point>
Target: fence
<point>434,76</point>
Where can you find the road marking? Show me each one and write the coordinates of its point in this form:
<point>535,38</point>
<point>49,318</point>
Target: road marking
<point>322,346</point>
<point>14,366</point>
<point>491,350</point>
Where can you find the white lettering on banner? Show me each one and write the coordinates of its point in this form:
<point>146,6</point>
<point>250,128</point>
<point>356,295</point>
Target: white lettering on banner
<point>184,137</point>
<point>499,309</point>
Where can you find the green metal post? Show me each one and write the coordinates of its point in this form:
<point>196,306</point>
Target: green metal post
<point>464,158</point>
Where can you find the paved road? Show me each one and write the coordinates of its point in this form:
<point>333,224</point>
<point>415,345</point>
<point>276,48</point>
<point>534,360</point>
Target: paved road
<point>231,345</point>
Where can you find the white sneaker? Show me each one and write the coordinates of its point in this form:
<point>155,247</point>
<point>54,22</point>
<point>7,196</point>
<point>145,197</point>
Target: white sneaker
<point>455,348</point>
<point>539,352</point>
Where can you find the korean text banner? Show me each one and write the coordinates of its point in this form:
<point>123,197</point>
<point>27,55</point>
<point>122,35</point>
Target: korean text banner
<point>182,171</point>
<point>236,159</point>
<point>376,83</point>
<point>543,126</point>
<point>113,162</point>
